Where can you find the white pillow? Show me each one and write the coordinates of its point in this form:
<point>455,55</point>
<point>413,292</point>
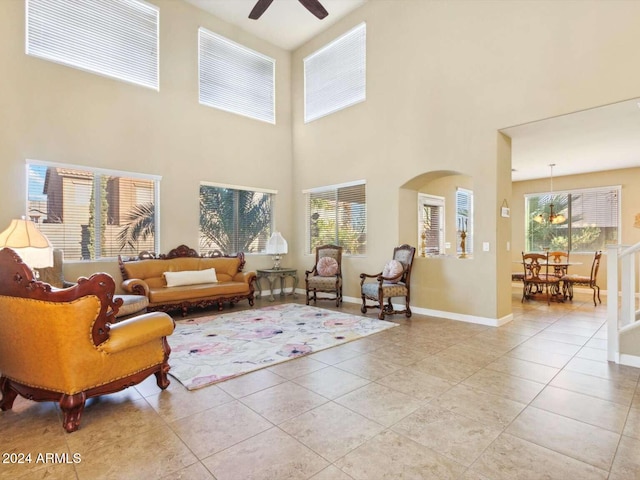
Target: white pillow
<point>190,277</point>
<point>392,269</point>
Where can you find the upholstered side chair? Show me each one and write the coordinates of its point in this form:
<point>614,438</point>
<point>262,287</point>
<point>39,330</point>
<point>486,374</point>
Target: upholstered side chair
<point>393,281</point>
<point>326,275</point>
<point>64,345</point>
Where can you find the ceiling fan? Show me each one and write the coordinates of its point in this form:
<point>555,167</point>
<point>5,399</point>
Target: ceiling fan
<point>313,6</point>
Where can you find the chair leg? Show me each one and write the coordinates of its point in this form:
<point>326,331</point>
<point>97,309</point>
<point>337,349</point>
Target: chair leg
<point>8,394</point>
<point>72,407</point>
<point>596,289</point>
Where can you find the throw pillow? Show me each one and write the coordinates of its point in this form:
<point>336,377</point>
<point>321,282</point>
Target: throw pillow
<point>327,267</point>
<point>190,277</point>
<point>393,268</point>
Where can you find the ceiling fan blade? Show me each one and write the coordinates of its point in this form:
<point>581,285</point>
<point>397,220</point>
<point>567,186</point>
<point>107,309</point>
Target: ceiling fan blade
<point>315,7</point>
<point>259,9</point>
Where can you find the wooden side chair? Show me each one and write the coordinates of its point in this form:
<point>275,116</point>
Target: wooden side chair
<point>559,257</point>
<point>393,281</point>
<point>537,277</point>
<point>326,275</point>
<point>568,281</point>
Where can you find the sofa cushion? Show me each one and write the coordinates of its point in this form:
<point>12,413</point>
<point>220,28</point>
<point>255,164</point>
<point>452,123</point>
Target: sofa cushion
<point>190,277</point>
<point>195,292</point>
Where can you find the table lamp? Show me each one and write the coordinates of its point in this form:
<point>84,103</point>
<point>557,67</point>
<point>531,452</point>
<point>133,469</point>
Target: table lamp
<point>277,246</point>
<point>31,244</point>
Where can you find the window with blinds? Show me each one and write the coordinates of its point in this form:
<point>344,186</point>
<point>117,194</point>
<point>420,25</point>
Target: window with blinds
<point>464,218</point>
<point>335,75</point>
<point>92,214</point>
<point>431,224</point>
<point>592,220</point>
<point>337,215</point>
<point>235,78</point>
<point>235,219</point>
<point>115,38</point>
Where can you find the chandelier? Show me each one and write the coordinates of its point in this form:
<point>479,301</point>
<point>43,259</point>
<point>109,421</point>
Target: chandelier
<point>553,217</point>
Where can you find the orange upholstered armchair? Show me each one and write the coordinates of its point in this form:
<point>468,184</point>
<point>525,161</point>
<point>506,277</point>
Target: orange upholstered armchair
<point>60,345</point>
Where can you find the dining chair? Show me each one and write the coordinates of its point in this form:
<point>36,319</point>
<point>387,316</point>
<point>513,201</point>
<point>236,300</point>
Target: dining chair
<point>537,277</point>
<point>560,258</point>
<point>568,281</point>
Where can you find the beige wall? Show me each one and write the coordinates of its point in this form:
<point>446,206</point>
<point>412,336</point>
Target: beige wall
<point>629,181</point>
<point>442,79</point>
<point>56,113</point>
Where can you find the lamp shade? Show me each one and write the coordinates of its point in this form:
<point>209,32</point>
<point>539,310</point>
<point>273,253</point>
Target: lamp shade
<point>31,244</point>
<point>277,245</point>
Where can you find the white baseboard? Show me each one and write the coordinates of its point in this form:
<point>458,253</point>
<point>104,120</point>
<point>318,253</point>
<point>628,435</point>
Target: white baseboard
<point>629,360</point>
<point>491,322</point>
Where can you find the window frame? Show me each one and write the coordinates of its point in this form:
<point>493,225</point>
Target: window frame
<point>460,221</point>
<point>248,80</point>
<point>97,174</point>
<point>332,92</point>
<point>272,225</point>
<point>111,53</point>
<point>335,189</point>
<point>528,216</point>
<point>433,201</point>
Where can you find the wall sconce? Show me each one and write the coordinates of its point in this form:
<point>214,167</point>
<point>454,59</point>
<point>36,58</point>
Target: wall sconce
<point>277,246</point>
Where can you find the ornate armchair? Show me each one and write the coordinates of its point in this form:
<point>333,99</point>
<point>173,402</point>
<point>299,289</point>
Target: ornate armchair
<point>393,281</point>
<point>60,344</point>
<point>326,274</point>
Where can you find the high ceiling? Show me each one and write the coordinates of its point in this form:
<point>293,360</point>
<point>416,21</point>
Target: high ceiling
<point>286,23</point>
<point>602,138</point>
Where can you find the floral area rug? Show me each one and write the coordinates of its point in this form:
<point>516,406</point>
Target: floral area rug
<point>210,349</point>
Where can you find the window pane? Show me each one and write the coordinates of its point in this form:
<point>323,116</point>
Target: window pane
<point>235,78</point>
<point>90,214</point>
<point>464,217</point>
<point>335,75</point>
<point>338,216</point>
<point>234,220</point>
<point>116,38</point>
<point>591,220</point>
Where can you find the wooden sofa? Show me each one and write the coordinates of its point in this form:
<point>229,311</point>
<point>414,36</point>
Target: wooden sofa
<point>145,275</point>
<point>64,345</point>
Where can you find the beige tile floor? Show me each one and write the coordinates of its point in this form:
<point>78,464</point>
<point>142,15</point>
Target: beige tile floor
<point>429,399</point>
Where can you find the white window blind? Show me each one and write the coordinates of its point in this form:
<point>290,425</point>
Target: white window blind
<point>335,75</point>
<point>464,218</point>
<point>592,220</point>
<point>115,38</point>
<point>93,213</point>
<point>338,215</point>
<point>235,219</point>
<point>235,78</point>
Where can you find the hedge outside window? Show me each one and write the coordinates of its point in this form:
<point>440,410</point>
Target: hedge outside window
<point>92,213</point>
<point>235,219</point>
<point>592,220</point>
<point>337,215</point>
